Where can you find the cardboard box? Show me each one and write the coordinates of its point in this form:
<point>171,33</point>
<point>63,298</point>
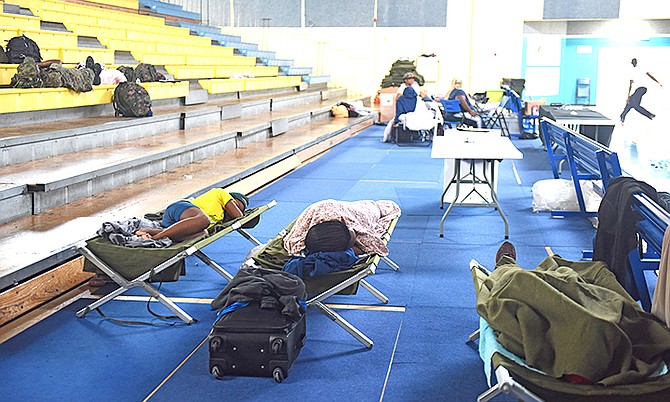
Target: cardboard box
<point>387,104</point>
<point>532,107</point>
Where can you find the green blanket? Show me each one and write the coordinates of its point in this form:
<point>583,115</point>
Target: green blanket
<point>573,318</point>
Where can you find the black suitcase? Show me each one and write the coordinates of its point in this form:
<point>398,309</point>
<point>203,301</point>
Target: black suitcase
<point>256,342</point>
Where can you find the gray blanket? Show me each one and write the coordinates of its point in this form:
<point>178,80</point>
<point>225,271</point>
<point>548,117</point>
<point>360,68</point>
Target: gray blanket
<point>122,233</point>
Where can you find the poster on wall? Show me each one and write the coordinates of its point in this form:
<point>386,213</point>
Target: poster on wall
<point>543,50</point>
<point>542,81</point>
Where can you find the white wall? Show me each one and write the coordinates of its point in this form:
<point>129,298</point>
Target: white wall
<point>482,44</point>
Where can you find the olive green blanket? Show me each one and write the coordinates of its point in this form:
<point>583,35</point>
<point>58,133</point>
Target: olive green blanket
<point>573,318</point>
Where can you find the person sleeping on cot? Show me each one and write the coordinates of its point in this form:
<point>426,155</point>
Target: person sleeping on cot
<point>187,219</point>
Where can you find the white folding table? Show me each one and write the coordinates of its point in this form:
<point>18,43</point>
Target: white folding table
<point>485,149</point>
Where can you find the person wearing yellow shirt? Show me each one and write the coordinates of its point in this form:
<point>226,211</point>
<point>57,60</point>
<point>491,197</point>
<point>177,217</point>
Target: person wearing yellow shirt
<point>187,219</point>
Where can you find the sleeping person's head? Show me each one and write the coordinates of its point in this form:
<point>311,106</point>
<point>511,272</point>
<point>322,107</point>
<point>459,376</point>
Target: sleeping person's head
<point>329,236</point>
<point>241,200</point>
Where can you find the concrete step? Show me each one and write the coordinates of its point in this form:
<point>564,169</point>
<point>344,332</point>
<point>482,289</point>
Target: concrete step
<point>89,42</point>
<point>29,142</point>
<point>41,241</point>
<point>63,179</point>
<point>53,26</point>
<point>124,58</point>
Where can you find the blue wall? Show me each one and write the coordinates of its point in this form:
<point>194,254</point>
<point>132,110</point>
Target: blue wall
<point>574,65</point>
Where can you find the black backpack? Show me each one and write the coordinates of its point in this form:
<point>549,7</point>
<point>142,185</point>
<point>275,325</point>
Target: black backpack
<point>20,47</point>
<point>131,100</point>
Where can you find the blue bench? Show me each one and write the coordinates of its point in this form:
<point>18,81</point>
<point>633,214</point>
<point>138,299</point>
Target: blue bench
<point>651,229</point>
<point>587,160</point>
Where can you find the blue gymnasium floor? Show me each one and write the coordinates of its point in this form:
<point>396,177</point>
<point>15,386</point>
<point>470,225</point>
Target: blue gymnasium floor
<point>420,351</point>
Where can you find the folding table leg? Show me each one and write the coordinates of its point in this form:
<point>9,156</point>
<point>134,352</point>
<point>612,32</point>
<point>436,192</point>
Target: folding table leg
<point>353,331</point>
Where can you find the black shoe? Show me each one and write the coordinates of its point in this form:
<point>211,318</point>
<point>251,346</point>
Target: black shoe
<point>506,249</point>
<point>96,73</point>
<point>89,62</point>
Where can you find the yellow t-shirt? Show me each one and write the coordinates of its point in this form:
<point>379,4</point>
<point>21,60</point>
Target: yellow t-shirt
<point>212,203</point>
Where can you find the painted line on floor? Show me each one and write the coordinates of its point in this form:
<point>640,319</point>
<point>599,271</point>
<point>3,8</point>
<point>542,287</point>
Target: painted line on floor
<point>516,174</point>
<point>388,371</point>
<point>397,181</point>
<point>193,300</point>
<point>175,369</point>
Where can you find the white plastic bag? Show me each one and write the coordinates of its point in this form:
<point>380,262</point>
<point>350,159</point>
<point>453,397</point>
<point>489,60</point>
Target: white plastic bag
<point>560,195</point>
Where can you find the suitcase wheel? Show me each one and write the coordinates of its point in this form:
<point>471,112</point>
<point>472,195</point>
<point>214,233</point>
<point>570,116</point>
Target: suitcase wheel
<point>277,346</point>
<point>278,374</point>
<point>217,372</point>
<point>215,344</point>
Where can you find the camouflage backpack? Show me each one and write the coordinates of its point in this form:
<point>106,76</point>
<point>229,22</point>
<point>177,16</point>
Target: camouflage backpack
<point>129,72</point>
<point>27,75</point>
<point>131,100</point>
<point>146,72</point>
<point>3,56</point>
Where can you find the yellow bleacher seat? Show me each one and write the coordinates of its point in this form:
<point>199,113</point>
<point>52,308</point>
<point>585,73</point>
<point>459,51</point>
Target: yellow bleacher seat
<point>42,38</point>
<point>256,71</point>
<point>190,72</point>
<point>23,100</point>
<point>130,4</point>
<point>7,71</point>
<point>254,84</point>
<point>221,86</point>
<point>76,55</point>
<point>225,68</point>
<point>159,59</point>
<point>19,21</point>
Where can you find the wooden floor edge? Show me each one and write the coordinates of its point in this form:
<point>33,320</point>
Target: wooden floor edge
<point>38,314</point>
<point>35,292</point>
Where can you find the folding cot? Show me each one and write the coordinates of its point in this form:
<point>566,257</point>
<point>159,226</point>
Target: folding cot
<point>319,288</point>
<point>515,377</point>
<point>136,267</point>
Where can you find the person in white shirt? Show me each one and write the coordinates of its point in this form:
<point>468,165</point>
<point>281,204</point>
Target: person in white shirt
<point>639,81</point>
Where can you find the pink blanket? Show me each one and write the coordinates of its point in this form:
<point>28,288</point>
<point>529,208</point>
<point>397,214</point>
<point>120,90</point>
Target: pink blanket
<point>369,219</point>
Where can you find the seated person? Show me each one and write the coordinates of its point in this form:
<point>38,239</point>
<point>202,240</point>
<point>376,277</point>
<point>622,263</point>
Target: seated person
<point>470,116</point>
<point>187,219</point>
<point>409,80</point>
<point>409,102</point>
